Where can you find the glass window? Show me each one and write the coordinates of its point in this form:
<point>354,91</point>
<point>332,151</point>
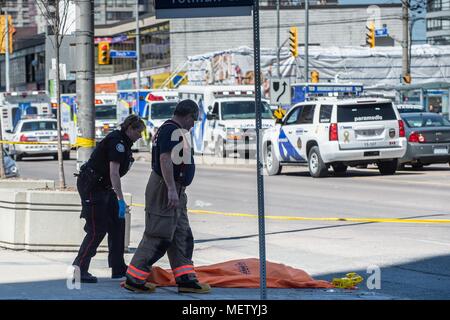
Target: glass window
<point>106,112</point>
<point>162,110</point>
<point>38,125</point>
<point>293,116</point>
<point>307,115</point>
<point>325,113</point>
<point>244,110</point>
<point>366,112</point>
<point>422,121</point>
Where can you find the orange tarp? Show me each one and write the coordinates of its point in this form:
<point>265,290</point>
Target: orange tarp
<point>244,273</point>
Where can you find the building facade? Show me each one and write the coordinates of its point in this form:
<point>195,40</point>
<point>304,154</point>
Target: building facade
<point>438,22</point>
<point>113,11</point>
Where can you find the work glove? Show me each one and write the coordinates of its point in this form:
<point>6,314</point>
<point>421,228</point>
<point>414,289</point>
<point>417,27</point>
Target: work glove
<point>122,208</point>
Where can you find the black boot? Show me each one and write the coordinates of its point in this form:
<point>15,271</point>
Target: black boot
<point>86,277</point>
<point>117,274</point>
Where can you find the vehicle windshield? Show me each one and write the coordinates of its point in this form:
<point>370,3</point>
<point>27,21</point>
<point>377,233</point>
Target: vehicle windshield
<point>106,112</point>
<point>38,125</point>
<point>244,110</point>
<point>163,110</point>
<point>426,121</point>
<point>366,112</point>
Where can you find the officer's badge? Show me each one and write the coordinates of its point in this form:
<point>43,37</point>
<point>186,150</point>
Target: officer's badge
<point>120,147</point>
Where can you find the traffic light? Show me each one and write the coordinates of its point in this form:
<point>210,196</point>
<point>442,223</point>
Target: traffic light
<point>103,53</point>
<point>293,41</point>
<point>407,78</point>
<point>314,76</point>
<point>3,34</point>
<point>370,35</point>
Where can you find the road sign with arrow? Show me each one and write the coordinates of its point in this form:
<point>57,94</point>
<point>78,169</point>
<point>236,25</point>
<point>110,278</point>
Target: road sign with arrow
<point>280,91</point>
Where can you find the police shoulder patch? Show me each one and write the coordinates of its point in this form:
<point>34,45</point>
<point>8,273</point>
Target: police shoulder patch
<point>120,147</point>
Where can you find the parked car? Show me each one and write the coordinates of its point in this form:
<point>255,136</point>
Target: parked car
<point>11,169</point>
<point>37,130</point>
<point>336,133</point>
<point>428,137</point>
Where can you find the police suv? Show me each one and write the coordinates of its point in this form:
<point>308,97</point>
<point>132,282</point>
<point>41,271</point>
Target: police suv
<point>337,133</point>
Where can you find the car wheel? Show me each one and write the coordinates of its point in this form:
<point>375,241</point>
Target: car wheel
<point>55,157</point>
<point>339,168</point>
<point>388,167</point>
<point>272,164</point>
<point>219,150</point>
<point>17,157</point>
<point>66,155</point>
<point>317,167</point>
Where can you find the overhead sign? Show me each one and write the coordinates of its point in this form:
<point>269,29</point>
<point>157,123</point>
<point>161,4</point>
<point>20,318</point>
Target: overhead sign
<point>114,54</point>
<point>202,8</point>
<point>280,91</point>
<point>383,32</point>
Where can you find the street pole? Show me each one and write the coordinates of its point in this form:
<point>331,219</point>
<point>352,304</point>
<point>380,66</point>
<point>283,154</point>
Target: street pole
<point>278,39</point>
<point>259,166</point>
<point>306,40</point>
<point>85,80</point>
<point>138,49</point>
<point>405,42</point>
<point>7,52</point>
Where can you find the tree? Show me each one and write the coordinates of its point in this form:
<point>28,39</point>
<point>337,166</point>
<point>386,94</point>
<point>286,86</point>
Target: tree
<point>55,13</point>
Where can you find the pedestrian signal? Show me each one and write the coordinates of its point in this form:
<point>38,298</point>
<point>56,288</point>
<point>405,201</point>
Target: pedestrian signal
<point>293,41</point>
<point>103,53</point>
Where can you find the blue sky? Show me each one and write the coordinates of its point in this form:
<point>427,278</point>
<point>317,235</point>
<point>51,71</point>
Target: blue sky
<point>419,31</point>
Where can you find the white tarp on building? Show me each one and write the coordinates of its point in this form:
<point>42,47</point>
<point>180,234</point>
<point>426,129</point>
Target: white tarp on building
<point>377,66</point>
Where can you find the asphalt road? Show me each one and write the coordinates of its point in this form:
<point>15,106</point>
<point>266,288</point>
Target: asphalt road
<point>413,257</point>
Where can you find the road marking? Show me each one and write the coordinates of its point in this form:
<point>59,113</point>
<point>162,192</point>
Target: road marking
<point>248,215</point>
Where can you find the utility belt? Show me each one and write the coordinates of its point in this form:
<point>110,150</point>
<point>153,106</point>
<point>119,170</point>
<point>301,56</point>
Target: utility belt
<point>89,180</point>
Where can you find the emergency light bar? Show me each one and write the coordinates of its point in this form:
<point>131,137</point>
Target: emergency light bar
<point>234,93</point>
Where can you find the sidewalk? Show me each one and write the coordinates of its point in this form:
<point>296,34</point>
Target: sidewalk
<point>42,276</point>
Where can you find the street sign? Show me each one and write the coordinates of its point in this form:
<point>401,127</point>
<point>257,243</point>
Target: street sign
<point>383,32</point>
<point>194,9</point>
<point>119,38</point>
<point>114,54</point>
<point>280,91</point>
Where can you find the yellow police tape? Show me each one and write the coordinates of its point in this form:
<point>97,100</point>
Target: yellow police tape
<point>395,220</point>
<point>81,142</point>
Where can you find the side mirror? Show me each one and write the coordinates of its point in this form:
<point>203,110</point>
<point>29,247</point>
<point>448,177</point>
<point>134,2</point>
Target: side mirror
<point>209,108</point>
<point>8,131</point>
<point>210,116</point>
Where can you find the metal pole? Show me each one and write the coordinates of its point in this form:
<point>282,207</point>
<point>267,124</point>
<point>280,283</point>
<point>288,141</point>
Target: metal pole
<point>405,42</point>
<point>259,167</point>
<point>7,52</point>
<point>138,49</point>
<point>85,79</point>
<point>278,39</point>
<point>306,40</point>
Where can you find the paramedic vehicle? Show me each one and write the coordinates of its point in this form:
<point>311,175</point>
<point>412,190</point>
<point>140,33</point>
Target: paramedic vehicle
<point>154,106</point>
<point>227,118</point>
<point>16,105</point>
<point>338,133</point>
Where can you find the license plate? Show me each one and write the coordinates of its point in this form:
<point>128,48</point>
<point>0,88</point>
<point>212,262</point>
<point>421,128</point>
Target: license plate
<point>440,151</point>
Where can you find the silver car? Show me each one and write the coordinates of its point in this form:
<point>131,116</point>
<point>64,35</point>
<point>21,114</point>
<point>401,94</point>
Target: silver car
<point>428,137</point>
<point>11,169</point>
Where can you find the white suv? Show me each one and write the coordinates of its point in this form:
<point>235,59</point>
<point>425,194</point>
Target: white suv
<point>336,133</point>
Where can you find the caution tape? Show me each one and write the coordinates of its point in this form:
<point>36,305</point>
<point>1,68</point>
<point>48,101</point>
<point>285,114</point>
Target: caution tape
<point>80,142</point>
<point>380,220</point>
<point>84,142</point>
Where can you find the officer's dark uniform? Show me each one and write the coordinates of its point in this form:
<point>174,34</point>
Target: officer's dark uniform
<point>99,202</point>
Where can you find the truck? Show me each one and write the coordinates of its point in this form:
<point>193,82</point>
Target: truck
<point>227,119</point>
<point>154,106</point>
<point>16,105</point>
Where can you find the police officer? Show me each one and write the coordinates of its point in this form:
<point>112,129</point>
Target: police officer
<point>167,227</point>
<point>103,204</point>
